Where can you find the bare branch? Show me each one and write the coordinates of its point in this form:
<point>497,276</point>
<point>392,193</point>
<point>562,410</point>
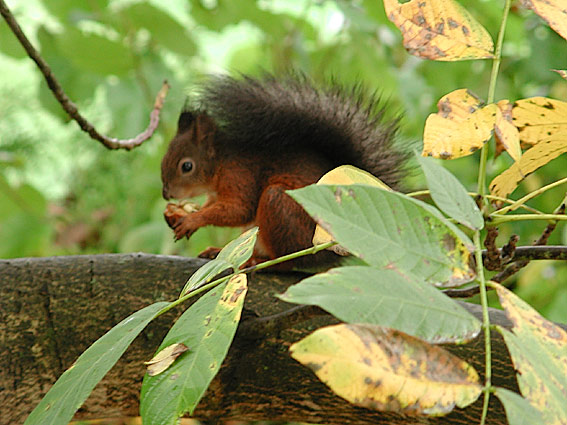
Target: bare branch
<point>69,106</point>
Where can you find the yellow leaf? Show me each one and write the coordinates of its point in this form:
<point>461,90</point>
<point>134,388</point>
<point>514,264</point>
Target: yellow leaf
<point>345,174</point>
<point>461,126</point>
<point>539,118</point>
<point>554,12</point>
<point>505,133</point>
<point>385,369</point>
<point>165,358</point>
<point>531,160</point>
<point>538,349</point>
<point>440,30</point>
<point>234,293</point>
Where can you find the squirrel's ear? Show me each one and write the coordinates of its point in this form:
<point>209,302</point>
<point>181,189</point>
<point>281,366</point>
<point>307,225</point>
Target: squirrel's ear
<point>185,121</point>
<point>204,128</point>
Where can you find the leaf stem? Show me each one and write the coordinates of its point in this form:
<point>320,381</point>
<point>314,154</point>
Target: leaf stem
<point>311,250</point>
<point>485,325</point>
<point>499,219</point>
<point>529,196</point>
<point>491,197</point>
<point>491,94</point>
<point>481,189</point>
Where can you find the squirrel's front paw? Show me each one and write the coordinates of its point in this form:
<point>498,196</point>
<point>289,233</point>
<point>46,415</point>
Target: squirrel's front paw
<point>183,227</point>
<point>179,219</point>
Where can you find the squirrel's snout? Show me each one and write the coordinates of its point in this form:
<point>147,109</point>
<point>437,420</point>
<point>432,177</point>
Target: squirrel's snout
<point>165,193</point>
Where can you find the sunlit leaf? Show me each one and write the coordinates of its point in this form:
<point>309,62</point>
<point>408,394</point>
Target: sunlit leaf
<point>440,29</point>
<point>388,298</point>
<point>506,134</point>
<point>74,386</point>
<point>540,118</point>
<point>450,195</point>
<point>165,358</point>
<point>519,411</point>
<point>460,127</point>
<point>553,12</point>
<point>208,327</point>
<point>384,369</point>
<point>385,228</point>
<point>532,159</point>
<point>345,174</point>
<point>538,349</point>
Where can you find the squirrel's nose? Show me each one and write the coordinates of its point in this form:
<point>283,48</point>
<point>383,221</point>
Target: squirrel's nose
<point>165,193</point>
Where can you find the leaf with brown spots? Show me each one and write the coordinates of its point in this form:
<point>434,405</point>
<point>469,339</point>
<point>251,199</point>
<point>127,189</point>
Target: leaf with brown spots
<point>531,160</point>
<point>389,229</point>
<point>165,358</point>
<point>506,134</point>
<point>208,327</point>
<point>387,370</point>
<point>554,12</point>
<point>386,297</point>
<point>345,174</point>
<point>538,349</point>
<point>441,30</point>
<point>540,118</point>
<point>461,126</point>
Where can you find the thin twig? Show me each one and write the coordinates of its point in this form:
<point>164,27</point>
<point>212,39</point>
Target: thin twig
<point>69,106</point>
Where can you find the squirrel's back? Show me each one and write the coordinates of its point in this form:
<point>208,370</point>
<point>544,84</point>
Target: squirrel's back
<point>276,115</point>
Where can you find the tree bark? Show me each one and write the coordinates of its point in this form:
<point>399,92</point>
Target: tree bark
<point>52,309</point>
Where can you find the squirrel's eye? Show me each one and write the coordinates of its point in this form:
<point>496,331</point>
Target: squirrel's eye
<point>186,165</point>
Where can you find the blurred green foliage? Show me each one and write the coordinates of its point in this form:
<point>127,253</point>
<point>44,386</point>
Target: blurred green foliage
<point>62,193</point>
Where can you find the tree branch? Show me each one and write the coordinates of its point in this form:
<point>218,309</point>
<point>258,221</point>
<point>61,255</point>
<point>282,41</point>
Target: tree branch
<point>52,309</point>
<point>69,106</point>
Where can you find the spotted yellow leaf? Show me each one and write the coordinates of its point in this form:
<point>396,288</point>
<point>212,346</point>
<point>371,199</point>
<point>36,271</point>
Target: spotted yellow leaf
<point>345,174</point>
<point>539,118</point>
<point>545,151</point>
<point>554,12</point>
<point>460,127</point>
<point>538,349</point>
<point>388,370</point>
<point>505,132</point>
<point>440,30</point>
<point>165,358</point>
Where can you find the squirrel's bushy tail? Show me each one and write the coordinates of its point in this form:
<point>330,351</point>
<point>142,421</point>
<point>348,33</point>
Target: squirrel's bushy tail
<point>273,114</point>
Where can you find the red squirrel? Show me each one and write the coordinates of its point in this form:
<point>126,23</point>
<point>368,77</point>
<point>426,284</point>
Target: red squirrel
<point>249,140</point>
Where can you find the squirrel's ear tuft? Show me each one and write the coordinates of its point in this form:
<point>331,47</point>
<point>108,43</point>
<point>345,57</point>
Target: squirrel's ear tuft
<point>185,120</point>
<point>204,127</point>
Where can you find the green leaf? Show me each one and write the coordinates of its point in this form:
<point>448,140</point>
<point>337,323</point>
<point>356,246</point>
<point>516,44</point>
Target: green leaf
<point>95,52</point>
<point>207,328</point>
<point>519,411</point>
<point>232,256</point>
<point>9,44</point>
<point>538,349</point>
<point>74,386</point>
<point>388,298</point>
<point>386,228</point>
<point>450,195</point>
<point>162,27</point>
